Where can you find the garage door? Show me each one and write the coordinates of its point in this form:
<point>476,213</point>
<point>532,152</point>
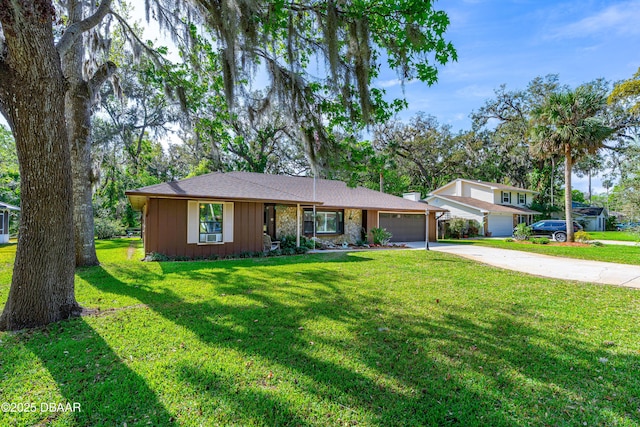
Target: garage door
<point>404,227</point>
<point>501,225</point>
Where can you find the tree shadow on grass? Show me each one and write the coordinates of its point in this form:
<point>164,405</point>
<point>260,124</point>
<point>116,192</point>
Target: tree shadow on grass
<point>398,368</point>
<point>267,328</point>
<point>88,372</point>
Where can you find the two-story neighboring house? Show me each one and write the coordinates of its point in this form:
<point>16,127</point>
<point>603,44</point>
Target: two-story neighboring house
<point>497,207</point>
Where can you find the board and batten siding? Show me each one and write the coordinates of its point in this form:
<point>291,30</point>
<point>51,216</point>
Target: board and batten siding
<point>166,225</point>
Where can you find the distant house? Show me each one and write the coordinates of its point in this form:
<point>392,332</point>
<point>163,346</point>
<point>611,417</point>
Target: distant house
<point>593,218</point>
<point>5,209</point>
<point>497,207</point>
<point>228,213</point>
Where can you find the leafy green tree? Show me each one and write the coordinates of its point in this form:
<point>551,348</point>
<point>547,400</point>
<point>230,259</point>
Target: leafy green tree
<point>9,169</point>
<point>505,121</point>
<point>627,91</point>
<point>567,124</point>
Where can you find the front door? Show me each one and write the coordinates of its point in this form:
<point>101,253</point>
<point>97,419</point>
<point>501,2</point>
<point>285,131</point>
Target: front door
<point>270,220</point>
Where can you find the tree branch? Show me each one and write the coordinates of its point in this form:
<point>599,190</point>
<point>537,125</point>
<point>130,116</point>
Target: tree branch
<point>76,29</point>
<point>157,59</point>
<point>101,75</point>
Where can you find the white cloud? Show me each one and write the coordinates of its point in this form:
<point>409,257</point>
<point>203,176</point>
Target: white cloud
<point>620,19</point>
<point>476,91</point>
<point>393,83</point>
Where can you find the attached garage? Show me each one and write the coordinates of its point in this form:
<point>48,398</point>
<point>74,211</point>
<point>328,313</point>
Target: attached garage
<point>404,227</point>
<point>500,225</point>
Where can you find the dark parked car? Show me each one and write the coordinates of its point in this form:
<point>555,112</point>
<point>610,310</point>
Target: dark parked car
<point>555,228</point>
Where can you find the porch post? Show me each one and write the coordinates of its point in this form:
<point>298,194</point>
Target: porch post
<point>426,218</point>
<point>298,225</point>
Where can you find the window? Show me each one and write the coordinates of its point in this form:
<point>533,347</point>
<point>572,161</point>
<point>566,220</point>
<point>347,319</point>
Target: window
<point>210,219</point>
<point>522,199</point>
<point>209,222</point>
<point>506,197</point>
<point>326,222</point>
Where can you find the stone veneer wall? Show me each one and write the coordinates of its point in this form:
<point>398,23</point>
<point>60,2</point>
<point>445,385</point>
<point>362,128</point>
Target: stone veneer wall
<point>285,221</point>
<point>286,225</point>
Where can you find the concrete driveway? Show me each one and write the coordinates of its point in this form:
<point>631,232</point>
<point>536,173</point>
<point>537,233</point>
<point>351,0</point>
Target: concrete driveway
<point>544,265</point>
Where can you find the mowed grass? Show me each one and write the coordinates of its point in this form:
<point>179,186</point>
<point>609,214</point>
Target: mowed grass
<point>381,338</point>
<point>624,236</point>
<point>623,254</point>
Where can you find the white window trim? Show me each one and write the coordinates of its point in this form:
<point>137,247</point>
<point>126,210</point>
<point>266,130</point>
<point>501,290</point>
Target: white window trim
<point>193,222</point>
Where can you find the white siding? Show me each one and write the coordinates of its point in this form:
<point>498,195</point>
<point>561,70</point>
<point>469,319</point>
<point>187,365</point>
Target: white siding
<point>481,193</point>
<point>227,222</point>
<point>193,222</point>
<point>459,211</point>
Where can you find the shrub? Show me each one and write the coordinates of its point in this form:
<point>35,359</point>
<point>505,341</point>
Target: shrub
<point>288,241</point>
<point>155,256</point>
<point>540,241</point>
<point>522,231</point>
<point>275,252</point>
<point>105,228</point>
<point>361,242</point>
<point>380,236</point>
<point>582,236</point>
<point>596,243</point>
<point>288,251</point>
<point>457,227</point>
<point>508,240</point>
<point>473,228</point>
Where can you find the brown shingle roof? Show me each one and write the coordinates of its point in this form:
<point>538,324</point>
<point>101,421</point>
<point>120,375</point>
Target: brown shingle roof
<point>488,207</point>
<point>279,189</point>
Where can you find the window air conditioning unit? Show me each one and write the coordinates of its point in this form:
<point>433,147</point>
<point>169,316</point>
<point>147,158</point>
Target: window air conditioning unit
<point>213,238</point>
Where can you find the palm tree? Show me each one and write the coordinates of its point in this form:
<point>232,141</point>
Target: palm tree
<point>567,124</point>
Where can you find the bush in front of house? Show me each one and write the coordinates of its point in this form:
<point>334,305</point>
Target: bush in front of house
<point>457,227</point>
<point>289,242</point>
<point>522,231</point>
<point>380,236</point>
<point>473,228</point>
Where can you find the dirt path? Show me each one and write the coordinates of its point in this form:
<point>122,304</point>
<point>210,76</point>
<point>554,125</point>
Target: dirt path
<point>131,250</point>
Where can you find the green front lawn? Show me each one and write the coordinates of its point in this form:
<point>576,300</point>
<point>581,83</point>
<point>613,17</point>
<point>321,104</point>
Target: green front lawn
<point>622,254</point>
<point>370,338</point>
<point>623,236</point>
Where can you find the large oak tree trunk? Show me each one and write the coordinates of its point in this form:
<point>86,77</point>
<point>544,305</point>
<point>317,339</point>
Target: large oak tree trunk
<point>78,110</point>
<point>32,92</point>
<point>78,104</point>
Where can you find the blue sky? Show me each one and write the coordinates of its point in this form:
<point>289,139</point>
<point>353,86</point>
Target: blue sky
<point>513,41</point>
